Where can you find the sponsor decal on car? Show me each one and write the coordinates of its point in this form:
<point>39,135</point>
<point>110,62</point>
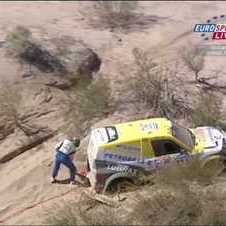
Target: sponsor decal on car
<point>148,127</point>
<point>117,157</point>
<point>121,168</point>
<point>148,162</point>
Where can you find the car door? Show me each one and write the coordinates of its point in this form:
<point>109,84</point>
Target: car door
<point>166,151</point>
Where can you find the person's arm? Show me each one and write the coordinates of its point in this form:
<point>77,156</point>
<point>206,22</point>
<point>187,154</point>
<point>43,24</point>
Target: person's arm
<point>58,145</point>
<point>72,154</point>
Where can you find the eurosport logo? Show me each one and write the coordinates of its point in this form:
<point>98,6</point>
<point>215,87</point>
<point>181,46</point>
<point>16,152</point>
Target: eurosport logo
<point>213,29</point>
<point>218,30</point>
<point>213,34</point>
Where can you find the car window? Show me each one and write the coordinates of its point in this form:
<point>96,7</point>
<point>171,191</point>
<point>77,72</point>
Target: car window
<point>111,133</point>
<point>165,147</point>
<point>184,135</point>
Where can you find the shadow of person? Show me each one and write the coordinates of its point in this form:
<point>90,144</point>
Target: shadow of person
<point>65,181</point>
<point>81,181</point>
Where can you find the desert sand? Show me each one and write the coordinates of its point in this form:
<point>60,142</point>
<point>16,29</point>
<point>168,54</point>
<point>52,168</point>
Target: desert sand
<point>25,191</point>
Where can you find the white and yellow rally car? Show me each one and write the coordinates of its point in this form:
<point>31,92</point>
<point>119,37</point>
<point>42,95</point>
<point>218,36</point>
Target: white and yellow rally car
<point>120,151</point>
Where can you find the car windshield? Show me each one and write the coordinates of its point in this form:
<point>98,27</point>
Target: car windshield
<point>184,135</point>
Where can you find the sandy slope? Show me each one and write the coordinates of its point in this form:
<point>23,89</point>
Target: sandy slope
<point>24,180</point>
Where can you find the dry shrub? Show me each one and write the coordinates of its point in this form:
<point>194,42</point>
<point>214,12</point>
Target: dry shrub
<point>178,198</point>
<point>207,110</point>
<point>213,212</point>
<point>147,82</point>
<point>194,170</point>
<point>94,100</point>
<point>166,208</point>
<point>194,58</point>
<point>10,100</point>
<point>151,85</point>
<point>148,209</point>
<point>18,40</point>
<point>115,13</point>
<point>89,102</point>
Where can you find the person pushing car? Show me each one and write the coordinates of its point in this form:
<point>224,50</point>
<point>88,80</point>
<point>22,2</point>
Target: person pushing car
<point>65,151</point>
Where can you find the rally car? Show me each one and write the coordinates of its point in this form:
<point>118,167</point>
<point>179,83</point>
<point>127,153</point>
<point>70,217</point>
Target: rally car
<point>122,151</point>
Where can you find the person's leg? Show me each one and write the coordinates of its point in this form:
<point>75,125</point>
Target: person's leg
<point>70,165</point>
<point>56,167</point>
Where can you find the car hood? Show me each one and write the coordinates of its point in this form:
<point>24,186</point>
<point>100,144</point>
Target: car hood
<point>209,139</point>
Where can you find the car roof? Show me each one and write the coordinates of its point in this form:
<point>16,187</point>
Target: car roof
<point>142,129</point>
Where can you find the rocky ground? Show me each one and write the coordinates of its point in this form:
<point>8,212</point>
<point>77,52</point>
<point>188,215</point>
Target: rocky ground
<point>28,136</point>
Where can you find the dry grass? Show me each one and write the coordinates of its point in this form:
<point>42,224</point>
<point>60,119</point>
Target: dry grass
<point>208,110</point>
<point>177,175</point>
<point>213,209</point>
<point>178,198</point>
<point>89,102</point>
<point>151,84</point>
<point>194,58</point>
<point>10,100</point>
<point>166,208</point>
<point>115,14</point>
<point>94,100</point>
<point>18,40</point>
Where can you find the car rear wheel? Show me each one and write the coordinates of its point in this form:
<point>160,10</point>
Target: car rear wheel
<point>121,185</point>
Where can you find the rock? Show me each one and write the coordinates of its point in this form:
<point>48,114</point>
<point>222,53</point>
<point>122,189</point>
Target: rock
<point>76,57</point>
<point>41,58</point>
<point>59,56</point>
<point>7,126</point>
<point>26,75</point>
<point>41,136</point>
<point>60,84</point>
